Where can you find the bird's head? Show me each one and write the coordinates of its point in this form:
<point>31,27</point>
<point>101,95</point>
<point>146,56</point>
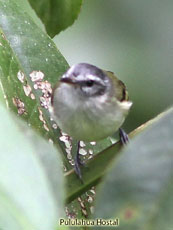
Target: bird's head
<point>87,80</point>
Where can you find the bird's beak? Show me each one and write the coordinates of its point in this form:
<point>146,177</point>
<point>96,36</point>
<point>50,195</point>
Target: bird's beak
<point>68,80</point>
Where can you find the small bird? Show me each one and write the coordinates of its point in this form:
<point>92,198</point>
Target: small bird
<point>90,104</point>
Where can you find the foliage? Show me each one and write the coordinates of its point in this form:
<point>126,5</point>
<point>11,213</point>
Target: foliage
<point>56,15</point>
<point>137,187</point>
<point>30,176</point>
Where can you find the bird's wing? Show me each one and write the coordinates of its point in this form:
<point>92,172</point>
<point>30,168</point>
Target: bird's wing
<point>121,92</point>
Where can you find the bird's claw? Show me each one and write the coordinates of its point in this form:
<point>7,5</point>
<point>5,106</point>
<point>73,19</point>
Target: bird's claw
<point>123,137</point>
<point>78,163</point>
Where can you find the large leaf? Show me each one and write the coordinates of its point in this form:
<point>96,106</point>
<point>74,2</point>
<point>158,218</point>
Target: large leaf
<point>30,65</point>
<point>31,180</point>
<point>56,15</point>
<point>24,4</point>
<point>138,189</point>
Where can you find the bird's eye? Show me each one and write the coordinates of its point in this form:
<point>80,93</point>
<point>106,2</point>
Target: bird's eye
<point>89,83</point>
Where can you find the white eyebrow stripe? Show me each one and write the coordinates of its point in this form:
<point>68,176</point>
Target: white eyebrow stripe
<point>89,77</point>
<point>92,77</point>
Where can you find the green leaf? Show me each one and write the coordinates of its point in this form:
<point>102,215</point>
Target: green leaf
<point>163,219</point>
<point>24,4</point>
<point>57,15</point>
<point>92,173</point>
<point>24,51</point>
<point>31,180</point>
<point>139,185</point>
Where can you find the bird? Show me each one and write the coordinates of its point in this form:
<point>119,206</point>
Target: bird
<point>90,104</point>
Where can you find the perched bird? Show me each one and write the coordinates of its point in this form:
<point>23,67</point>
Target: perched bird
<point>90,104</point>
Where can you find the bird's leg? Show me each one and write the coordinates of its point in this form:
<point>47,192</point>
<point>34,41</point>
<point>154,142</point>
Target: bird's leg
<point>123,136</point>
<point>78,163</point>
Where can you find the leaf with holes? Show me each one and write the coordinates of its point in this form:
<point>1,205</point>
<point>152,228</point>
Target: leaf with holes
<point>30,65</point>
<point>56,15</point>
<point>138,189</point>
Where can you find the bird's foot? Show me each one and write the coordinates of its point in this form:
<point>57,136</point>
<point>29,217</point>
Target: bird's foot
<point>123,137</point>
<point>78,170</point>
<point>78,163</point>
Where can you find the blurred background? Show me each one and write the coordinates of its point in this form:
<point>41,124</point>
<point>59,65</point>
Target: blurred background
<point>134,39</point>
